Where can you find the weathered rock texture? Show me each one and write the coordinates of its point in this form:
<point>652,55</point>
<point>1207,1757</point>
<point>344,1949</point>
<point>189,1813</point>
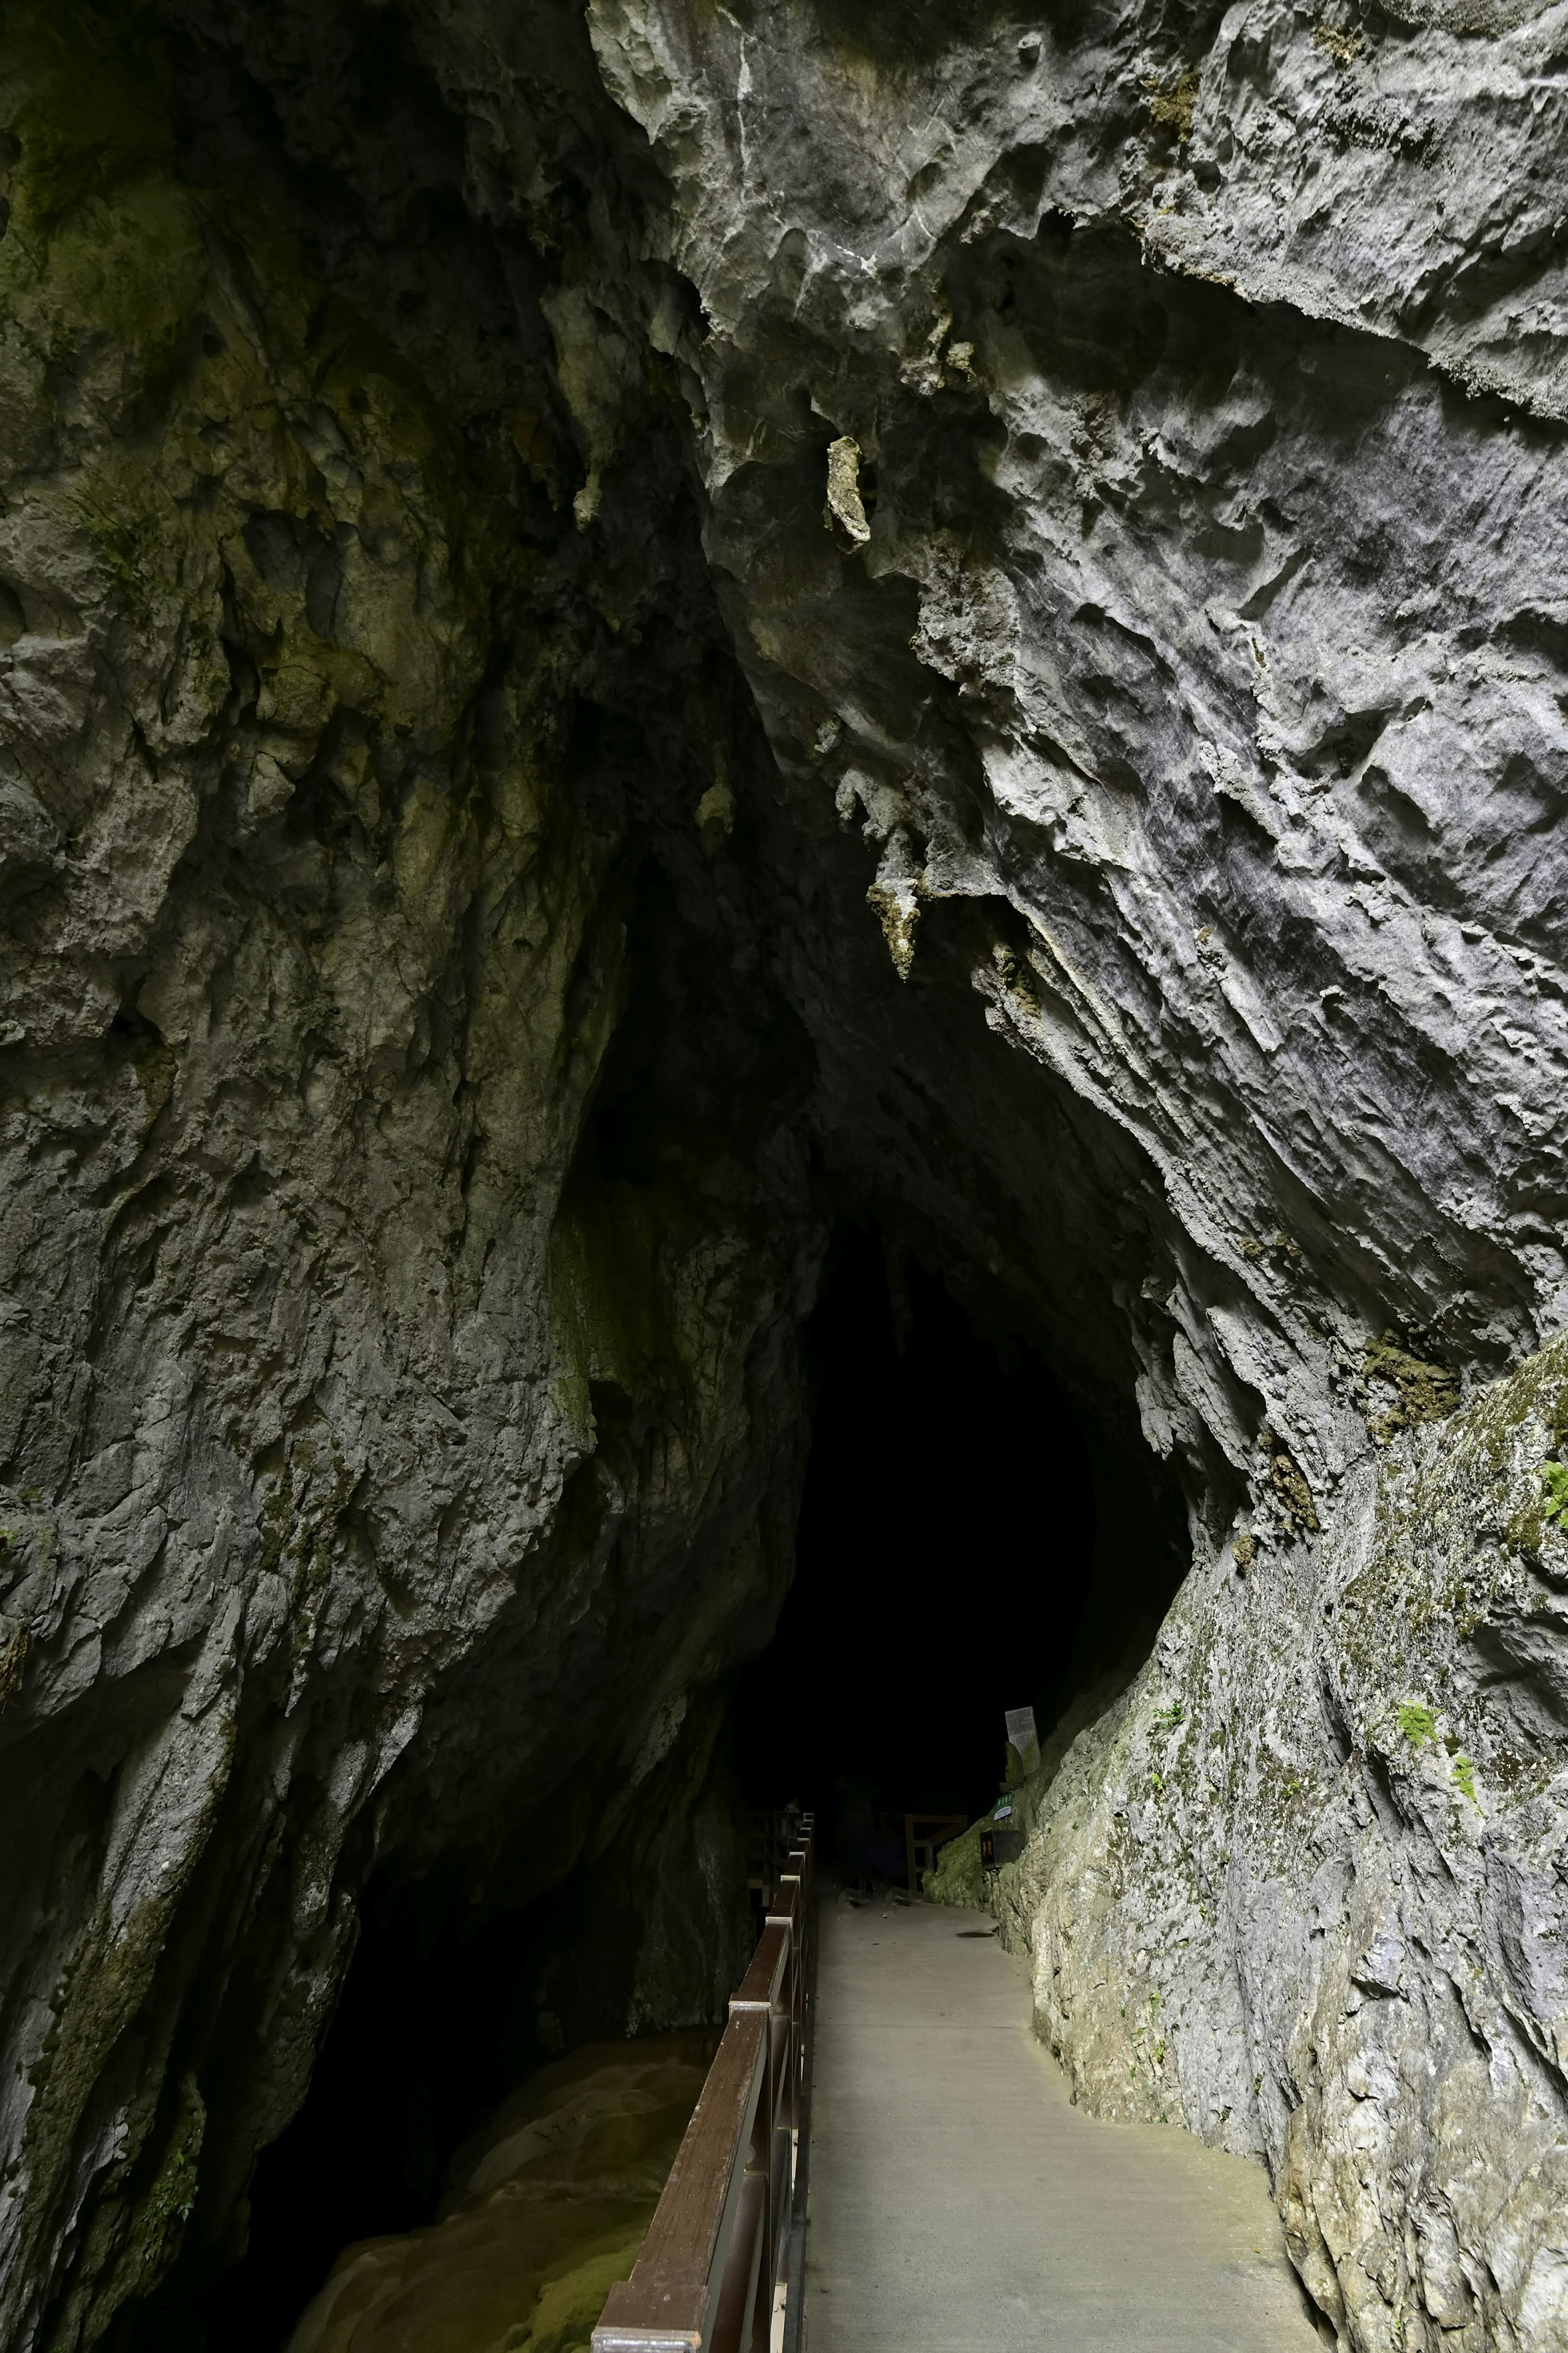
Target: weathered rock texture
<point>1301,1885</point>
<point>1201,649</point>
<point>624,626</point>
<point>403,1261</point>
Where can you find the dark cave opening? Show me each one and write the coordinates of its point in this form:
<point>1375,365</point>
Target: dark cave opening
<point>436,2024</point>
<point>965,1544</point>
<point>946,1553</point>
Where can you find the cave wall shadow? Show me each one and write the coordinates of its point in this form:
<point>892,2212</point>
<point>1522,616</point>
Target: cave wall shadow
<point>451,2001</point>
<point>970,1540</point>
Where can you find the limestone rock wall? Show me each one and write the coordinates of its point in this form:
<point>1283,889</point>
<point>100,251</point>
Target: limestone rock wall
<point>400,1404</point>
<point>1301,1885</point>
<point>620,626</point>
<point>1134,477</point>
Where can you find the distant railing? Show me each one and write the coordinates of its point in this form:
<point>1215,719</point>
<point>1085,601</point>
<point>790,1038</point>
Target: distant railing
<point>771,1840</point>
<point>714,2270</point>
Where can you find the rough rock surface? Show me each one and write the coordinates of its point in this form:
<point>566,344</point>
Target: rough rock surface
<point>400,1397</point>
<point>549,2203</point>
<point>617,627</point>
<point>1300,1886</point>
<point>1206,369</point>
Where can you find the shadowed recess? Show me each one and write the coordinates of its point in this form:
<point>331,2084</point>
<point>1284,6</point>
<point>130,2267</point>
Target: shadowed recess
<point>946,1540</point>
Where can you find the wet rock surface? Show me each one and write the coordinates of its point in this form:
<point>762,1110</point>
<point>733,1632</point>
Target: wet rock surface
<point>550,2204</point>
<point>620,628</point>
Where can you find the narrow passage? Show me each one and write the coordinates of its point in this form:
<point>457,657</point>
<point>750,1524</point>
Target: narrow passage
<point>958,2201</point>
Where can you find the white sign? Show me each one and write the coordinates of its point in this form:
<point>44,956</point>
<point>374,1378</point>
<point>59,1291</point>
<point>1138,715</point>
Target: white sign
<point>1022,1737</point>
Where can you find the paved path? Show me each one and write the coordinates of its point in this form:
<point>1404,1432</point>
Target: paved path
<point>958,2203</point>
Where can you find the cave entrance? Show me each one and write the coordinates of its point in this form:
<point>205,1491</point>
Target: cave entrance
<point>967,1544</point>
<point>945,1555</point>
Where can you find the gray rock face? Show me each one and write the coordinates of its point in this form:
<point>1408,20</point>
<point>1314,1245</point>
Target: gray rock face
<point>1190,614</point>
<point>1117,463</point>
<point>399,1449</point>
<point>1301,1886</point>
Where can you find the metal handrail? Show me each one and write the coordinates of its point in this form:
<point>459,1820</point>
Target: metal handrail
<point>712,2273</point>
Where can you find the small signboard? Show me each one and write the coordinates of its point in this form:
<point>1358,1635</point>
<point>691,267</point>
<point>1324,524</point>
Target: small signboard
<point>999,1846</point>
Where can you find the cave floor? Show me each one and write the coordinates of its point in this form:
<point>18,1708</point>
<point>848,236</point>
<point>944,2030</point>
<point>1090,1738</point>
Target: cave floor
<point>959,2199</point>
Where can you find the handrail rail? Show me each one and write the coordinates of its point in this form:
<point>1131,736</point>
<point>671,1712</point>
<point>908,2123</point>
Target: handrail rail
<point>712,2270</point>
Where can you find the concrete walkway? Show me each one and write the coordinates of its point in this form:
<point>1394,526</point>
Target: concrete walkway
<point>958,2203</point>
